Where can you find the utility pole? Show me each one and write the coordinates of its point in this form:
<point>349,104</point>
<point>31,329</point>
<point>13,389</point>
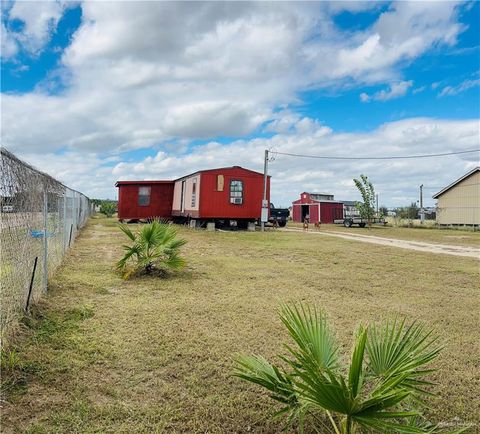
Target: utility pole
<point>264,216</point>
<point>422,212</point>
<point>376,201</point>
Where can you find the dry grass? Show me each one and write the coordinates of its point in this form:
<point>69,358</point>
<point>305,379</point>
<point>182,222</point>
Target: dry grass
<point>150,355</point>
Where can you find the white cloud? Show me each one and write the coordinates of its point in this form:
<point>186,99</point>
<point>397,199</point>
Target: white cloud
<point>396,90</point>
<point>198,70</point>
<point>454,90</point>
<point>8,43</point>
<point>158,74</point>
<point>364,97</point>
<point>393,180</point>
<point>419,89</point>
<point>39,19</point>
<point>352,6</point>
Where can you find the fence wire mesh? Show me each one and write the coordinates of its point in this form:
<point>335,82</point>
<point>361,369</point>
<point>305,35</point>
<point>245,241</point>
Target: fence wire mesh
<point>39,220</point>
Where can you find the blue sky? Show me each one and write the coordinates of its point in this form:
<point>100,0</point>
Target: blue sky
<point>91,95</point>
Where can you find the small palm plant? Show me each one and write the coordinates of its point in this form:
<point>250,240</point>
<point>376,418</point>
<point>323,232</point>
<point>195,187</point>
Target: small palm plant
<point>379,391</point>
<point>155,247</point>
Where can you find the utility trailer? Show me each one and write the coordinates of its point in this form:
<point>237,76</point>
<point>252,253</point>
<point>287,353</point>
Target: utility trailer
<point>349,221</point>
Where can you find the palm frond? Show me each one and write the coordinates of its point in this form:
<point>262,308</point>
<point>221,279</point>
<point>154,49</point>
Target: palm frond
<point>309,329</point>
<point>397,349</point>
<point>327,394</point>
<point>174,262</point>
<point>176,243</point>
<point>130,251</point>
<point>126,230</point>
<point>256,369</point>
<point>355,373</point>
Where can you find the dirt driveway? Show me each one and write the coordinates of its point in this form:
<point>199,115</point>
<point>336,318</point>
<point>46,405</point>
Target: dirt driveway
<point>403,244</point>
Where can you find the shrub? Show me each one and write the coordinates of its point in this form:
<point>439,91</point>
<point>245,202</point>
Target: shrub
<point>155,247</point>
<point>379,391</point>
<point>107,208</point>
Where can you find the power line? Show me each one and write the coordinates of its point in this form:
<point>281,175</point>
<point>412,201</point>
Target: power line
<point>399,157</point>
<point>457,186</point>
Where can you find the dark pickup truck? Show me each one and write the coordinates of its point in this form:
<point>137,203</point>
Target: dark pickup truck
<point>280,215</point>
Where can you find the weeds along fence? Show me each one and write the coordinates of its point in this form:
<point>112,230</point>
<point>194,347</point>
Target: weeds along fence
<point>39,220</point>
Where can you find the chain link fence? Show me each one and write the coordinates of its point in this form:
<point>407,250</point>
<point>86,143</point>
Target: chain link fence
<point>39,220</point>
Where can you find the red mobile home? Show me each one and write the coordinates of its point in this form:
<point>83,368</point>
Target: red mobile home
<point>228,193</point>
<point>318,207</point>
<point>144,199</point>
<point>220,194</point>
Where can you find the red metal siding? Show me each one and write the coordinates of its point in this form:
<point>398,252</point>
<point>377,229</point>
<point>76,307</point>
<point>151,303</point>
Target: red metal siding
<point>216,204</point>
<point>297,213</point>
<point>314,213</point>
<point>330,211</point>
<point>313,208</point>
<point>305,199</point>
<point>161,197</point>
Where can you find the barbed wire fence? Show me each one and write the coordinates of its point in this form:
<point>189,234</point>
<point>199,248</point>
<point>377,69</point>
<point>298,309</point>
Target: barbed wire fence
<point>39,220</point>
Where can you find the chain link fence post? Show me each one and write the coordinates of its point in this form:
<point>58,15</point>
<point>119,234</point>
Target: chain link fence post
<point>45,238</point>
<point>65,226</point>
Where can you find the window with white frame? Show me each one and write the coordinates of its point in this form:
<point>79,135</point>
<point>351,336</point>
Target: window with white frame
<point>144,196</point>
<point>236,192</point>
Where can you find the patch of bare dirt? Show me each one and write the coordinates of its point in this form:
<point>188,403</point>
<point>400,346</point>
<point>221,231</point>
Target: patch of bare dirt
<point>403,244</point>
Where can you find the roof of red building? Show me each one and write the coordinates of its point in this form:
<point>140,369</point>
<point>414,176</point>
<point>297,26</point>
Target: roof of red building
<point>220,168</point>
<point>185,176</point>
<point>146,182</point>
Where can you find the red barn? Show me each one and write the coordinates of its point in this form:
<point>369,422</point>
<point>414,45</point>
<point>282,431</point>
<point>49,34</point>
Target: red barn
<point>318,207</point>
<point>220,194</point>
<point>144,199</point>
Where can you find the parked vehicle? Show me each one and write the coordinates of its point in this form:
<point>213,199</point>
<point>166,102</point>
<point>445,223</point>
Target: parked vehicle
<point>280,215</point>
<point>350,221</point>
<point>7,208</point>
<point>351,216</point>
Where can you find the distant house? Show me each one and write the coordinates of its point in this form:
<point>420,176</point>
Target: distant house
<point>317,207</point>
<point>459,203</point>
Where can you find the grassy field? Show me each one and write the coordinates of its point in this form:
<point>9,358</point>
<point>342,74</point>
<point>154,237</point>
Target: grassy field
<point>105,355</point>
<point>456,237</point>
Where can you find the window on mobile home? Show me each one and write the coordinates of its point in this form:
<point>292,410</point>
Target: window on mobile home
<point>144,196</point>
<point>236,192</point>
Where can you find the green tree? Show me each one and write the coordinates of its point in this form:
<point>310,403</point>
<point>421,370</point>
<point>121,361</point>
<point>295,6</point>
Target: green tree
<point>409,212</point>
<point>367,207</point>
<point>380,390</point>
<point>412,211</point>
<point>383,211</point>
<point>154,246</point>
<point>108,208</point>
